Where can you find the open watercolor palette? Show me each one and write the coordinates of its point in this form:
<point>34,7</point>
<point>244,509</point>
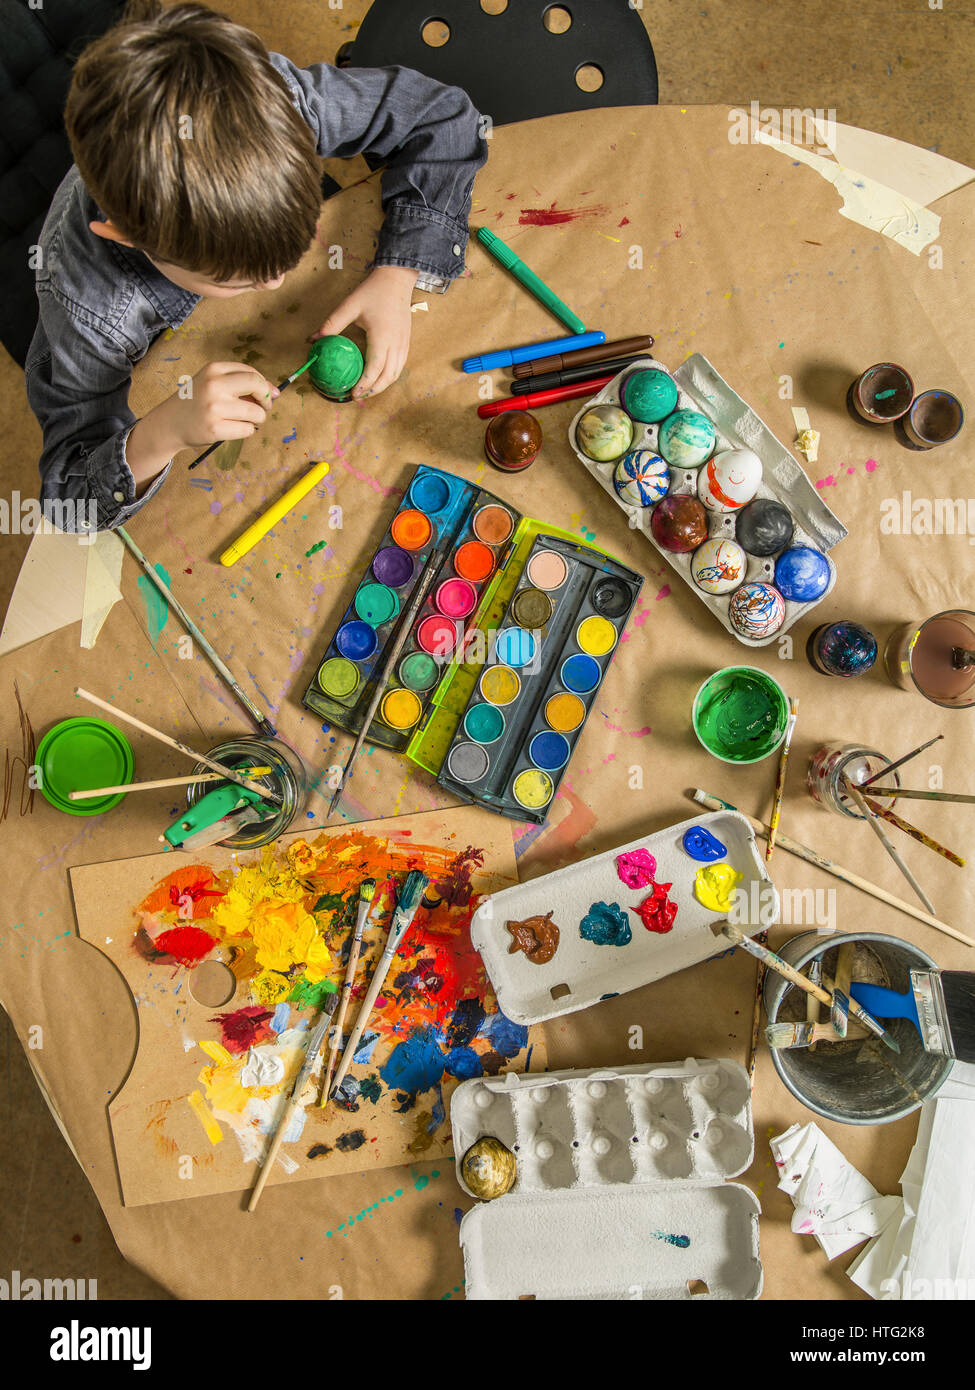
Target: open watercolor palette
<point>603,947</point>
<point>620,1184</point>
<point>549,610</point>
<point>763,616</point>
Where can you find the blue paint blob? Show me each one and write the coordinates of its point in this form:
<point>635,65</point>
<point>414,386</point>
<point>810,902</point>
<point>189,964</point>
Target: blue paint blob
<point>282,1014</point>
<point>429,493</point>
<point>701,845</point>
<point>681,1241</point>
<point>465,1024</point>
<point>504,1036</point>
<point>463,1062</point>
<point>367,1044</point>
<point>415,1065</point>
<point>605,924</point>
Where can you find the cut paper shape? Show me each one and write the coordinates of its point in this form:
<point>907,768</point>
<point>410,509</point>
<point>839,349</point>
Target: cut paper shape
<point>64,579</point>
<point>103,578</point>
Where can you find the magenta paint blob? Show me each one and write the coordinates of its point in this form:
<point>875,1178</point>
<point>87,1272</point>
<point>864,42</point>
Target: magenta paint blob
<point>456,598</point>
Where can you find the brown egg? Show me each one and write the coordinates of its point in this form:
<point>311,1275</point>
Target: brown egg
<point>679,523</point>
<point>512,440</point>
<point>488,1168</point>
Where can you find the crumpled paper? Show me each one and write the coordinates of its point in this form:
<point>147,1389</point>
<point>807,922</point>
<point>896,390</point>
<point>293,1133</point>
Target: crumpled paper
<point>833,1201</point>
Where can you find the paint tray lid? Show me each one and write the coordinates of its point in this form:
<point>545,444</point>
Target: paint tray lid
<point>78,754</point>
<point>618,1242</point>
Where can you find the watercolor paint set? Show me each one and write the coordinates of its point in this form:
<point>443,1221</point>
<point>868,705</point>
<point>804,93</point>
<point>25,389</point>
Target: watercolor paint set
<point>714,491</point>
<point>534,695</point>
<point>622,919</point>
<point>620,1181</point>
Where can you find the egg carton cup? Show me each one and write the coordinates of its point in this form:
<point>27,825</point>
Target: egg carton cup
<point>621,1183</point>
<point>701,388</point>
<point>581,973</point>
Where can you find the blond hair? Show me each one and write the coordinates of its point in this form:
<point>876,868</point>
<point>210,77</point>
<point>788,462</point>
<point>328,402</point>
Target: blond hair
<point>187,139</point>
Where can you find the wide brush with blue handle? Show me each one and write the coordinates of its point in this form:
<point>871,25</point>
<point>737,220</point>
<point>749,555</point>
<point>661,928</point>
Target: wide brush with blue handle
<point>940,1004</point>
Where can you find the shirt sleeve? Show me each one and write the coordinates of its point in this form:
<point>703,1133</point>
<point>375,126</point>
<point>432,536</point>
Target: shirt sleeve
<point>78,387</point>
<point>429,136</point>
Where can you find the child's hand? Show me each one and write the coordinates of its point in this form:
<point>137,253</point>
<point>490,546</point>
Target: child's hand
<point>228,401</point>
<point>381,307</point>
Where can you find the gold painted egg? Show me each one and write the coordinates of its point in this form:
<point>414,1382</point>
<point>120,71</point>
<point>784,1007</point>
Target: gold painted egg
<point>489,1168</point>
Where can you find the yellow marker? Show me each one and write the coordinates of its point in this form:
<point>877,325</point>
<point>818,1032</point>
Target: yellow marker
<point>249,538</point>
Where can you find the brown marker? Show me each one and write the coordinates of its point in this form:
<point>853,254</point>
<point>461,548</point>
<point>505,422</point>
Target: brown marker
<point>624,347</point>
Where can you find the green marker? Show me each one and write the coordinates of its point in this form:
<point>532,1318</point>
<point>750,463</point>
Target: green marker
<point>529,279</point>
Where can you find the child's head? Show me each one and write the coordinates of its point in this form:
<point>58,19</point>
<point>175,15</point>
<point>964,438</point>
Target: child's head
<point>189,142</point>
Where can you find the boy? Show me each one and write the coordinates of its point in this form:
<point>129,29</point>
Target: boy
<point>196,175</point>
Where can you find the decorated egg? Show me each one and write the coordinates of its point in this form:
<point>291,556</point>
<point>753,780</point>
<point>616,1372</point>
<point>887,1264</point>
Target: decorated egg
<point>679,523</point>
<point>718,566</point>
<point>604,433</point>
<point>648,395</point>
<point>756,610</point>
<point>641,478</point>
<point>686,439</point>
<point>802,574</point>
<point>729,480</point>
<point>763,527</point>
<point>488,1168</point>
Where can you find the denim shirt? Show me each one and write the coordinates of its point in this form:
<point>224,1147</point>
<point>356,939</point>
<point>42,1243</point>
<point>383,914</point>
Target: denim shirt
<point>102,305</point>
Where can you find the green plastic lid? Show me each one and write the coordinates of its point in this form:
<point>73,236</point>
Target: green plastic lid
<point>336,365</point>
<point>81,753</point>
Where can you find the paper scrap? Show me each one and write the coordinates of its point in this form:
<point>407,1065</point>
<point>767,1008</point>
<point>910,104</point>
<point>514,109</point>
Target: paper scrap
<point>807,439</point>
<point>103,576</point>
<point>833,1201</point>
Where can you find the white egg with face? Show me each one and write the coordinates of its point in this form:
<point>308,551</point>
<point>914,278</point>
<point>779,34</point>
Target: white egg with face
<point>729,480</point>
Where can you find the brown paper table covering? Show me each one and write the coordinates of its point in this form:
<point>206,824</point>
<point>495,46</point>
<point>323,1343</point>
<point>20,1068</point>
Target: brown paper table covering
<point>745,258</point>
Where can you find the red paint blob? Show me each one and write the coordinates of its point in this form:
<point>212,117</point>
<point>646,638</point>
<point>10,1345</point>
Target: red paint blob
<point>188,945</point>
<point>657,912</point>
<point>244,1028</point>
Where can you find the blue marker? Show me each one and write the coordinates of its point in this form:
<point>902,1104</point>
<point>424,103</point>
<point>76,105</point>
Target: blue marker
<point>509,357</point>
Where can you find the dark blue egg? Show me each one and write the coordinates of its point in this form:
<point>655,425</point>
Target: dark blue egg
<point>802,574</point>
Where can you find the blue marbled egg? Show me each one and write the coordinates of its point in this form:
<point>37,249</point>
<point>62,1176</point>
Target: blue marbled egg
<point>802,574</point>
<point>686,439</point>
<point>641,478</point>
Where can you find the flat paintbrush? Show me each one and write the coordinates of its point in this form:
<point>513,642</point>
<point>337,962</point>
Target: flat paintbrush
<point>367,892</point>
<point>805,1034</point>
<point>399,642</point>
<point>874,823</point>
<point>405,910</point>
<point>940,1004</point>
<point>312,1052</point>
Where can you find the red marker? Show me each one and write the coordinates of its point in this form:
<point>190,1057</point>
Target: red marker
<point>532,399</point>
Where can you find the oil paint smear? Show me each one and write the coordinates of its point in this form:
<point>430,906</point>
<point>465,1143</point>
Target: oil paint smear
<point>157,609</point>
<point>282,924</point>
<point>554,216</point>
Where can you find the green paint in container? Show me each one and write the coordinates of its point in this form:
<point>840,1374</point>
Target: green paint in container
<point>740,714</point>
<point>419,671</point>
<point>484,723</point>
<point>81,754</point>
<point>338,677</point>
<point>376,604</point>
<point>336,366</point>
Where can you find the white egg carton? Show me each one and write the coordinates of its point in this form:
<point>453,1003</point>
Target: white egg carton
<point>621,1187</point>
<point>582,973</point>
<point>701,388</point>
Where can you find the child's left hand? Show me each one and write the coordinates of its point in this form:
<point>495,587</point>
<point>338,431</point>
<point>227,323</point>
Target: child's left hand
<point>381,307</point>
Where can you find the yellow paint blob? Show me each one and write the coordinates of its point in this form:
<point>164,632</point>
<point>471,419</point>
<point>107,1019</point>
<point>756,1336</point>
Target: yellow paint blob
<point>500,685</point>
<point>596,635</point>
<point>213,1131</point>
<point>563,713</point>
<point>401,709</point>
<point>533,789</point>
<point>714,886</point>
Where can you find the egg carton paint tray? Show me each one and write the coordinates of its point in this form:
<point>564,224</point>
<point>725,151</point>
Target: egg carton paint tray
<point>603,947</point>
<point>620,1184</point>
<point>700,388</point>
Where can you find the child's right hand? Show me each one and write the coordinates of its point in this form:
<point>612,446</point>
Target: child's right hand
<point>227,401</point>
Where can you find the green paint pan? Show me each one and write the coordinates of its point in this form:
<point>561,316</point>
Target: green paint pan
<point>79,754</point>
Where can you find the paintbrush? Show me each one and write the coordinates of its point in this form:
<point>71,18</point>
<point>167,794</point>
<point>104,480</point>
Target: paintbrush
<point>854,792</point>
<point>716,803</point>
<point>922,796</point>
<point>227,773</point>
<point>220,666</point>
<point>922,838</point>
<point>403,913</point>
<point>774,962</point>
<point>312,1052</point>
<point>367,891</point>
<point>814,972</point>
<point>805,1034</point>
<point>891,767</point>
<point>780,779</point>
<point>399,642</point>
<point>162,782</point>
<point>282,386</point>
<point>940,1004</point>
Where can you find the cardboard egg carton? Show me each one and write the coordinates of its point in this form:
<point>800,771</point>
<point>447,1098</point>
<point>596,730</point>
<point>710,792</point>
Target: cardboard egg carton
<point>620,1183</point>
<point>701,388</point>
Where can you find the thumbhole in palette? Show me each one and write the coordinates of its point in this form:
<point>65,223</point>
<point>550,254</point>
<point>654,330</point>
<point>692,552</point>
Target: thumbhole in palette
<point>548,658</point>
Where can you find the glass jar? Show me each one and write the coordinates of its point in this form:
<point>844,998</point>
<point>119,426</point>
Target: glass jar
<point>919,656</point>
<point>834,761</point>
<point>288,778</point>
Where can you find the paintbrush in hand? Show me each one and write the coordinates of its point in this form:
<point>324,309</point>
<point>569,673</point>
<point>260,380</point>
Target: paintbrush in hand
<point>282,386</point>
<point>312,1053</point>
<point>399,642</point>
<point>367,891</point>
<point>403,914</point>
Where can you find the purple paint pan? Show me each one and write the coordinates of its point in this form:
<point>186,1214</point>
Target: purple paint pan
<point>393,566</point>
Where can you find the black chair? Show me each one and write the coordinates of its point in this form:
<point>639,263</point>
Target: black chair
<point>511,65</point>
<point>38,51</point>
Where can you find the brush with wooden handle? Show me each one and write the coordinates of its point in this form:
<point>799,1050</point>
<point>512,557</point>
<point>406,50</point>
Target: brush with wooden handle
<point>367,892</point>
<point>853,791</point>
<point>806,1034</point>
